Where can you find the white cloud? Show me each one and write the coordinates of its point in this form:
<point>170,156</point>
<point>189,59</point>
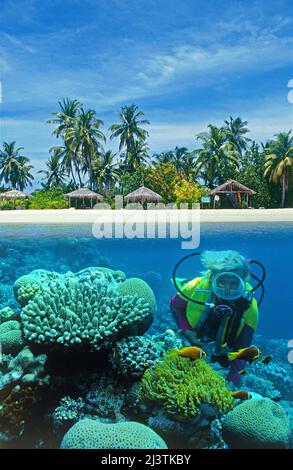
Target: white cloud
<point>208,63</point>
<point>18,43</point>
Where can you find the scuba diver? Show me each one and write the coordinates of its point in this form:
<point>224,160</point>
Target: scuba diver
<point>219,306</point>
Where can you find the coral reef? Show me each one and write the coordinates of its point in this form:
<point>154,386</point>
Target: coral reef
<point>22,380</point>
<point>69,411</point>
<point>259,423</point>
<point>7,314</point>
<point>264,387</point>
<point>280,377</point>
<point>87,309</point>
<point>11,338</point>
<point>92,434</point>
<point>186,389</point>
<point>133,355</point>
<point>106,397</point>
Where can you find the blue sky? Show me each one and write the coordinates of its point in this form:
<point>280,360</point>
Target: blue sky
<point>185,63</point>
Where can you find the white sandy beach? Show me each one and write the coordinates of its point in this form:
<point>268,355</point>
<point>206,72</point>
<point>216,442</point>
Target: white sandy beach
<point>80,217</point>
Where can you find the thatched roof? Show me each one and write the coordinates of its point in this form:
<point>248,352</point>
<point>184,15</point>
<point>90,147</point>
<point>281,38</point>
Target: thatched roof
<point>14,194</point>
<point>83,193</point>
<point>143,194</point>
<point>232,186</point>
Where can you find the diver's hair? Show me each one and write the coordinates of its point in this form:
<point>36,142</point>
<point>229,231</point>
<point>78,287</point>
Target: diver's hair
<point>228,260</point>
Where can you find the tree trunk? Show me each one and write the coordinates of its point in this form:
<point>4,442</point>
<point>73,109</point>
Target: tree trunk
<point>283,183</point>
<point>72,173</point>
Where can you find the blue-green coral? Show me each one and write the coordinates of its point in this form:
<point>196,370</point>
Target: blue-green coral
<point>133,355</point>
<point>183,387</point>
<point>11,338</point>
<point>92,434</point>
<point>259,423</point>
<point>85,308</point>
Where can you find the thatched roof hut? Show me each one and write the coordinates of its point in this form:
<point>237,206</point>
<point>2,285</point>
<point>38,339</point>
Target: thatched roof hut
<point>143,195</point>
<point>83,194</point>
<point>14,194</point>
<point>234,190</point>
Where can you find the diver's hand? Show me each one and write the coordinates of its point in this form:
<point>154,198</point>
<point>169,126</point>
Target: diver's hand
<point>192,339</point>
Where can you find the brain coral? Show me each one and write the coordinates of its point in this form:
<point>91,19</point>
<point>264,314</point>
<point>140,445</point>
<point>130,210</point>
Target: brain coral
<point>182,387</point>
<point>11,338</point>
<point>85,308</point>
<point>256,424</point>
<point>92,434</point>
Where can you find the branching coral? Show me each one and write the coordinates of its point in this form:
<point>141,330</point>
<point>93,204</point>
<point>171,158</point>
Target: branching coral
<point>68,411</point>
<point>71,311</point>
<point>106,397</point>
<point>133,355</point>
<point>260,385</point>
<point>183,387</point>
<point>280,377</point>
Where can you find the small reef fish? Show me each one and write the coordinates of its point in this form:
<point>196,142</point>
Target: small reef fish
<point>242,372</point>
<point>241,395</point>
<point>246,354</point>
<point>266,360</point>
<point>192,352</point>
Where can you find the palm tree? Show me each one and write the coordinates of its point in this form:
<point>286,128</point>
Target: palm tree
<point>106,170</point>
<point>179,159</point>
<point>163,157</point>
<point>139,154</point>
<point>215,154</point>
<point>69,110</point>
<point>129,128</point>
<point>84,136</point>
<point>279,161</point>
<point>54,175</point>
<point>235,130</point>
<point>14,167</point>
<point>65,119</point>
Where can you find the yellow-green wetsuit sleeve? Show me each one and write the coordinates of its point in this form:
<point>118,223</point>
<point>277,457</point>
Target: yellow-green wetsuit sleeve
<point>189,287</point>
<point>251,315</point>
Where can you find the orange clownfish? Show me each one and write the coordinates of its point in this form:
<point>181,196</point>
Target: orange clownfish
<point>241,395</point>
<point>246,354</point>
<point>191,352</point>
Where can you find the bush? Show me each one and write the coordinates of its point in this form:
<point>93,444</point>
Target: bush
<point>48,199</point>
<point>188,192</point>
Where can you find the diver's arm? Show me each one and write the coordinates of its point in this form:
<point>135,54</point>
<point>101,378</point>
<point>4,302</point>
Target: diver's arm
<point>244,340</point>
<point>192,338</point>
<point>178,308</point>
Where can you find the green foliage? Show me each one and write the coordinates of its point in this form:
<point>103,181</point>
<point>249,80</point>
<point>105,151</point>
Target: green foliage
<point>15,169</point>
<point>250,173</point>
<point>48,199</point>
<point>188,192</point>
<point>130,181</point>
<point>162,178</point>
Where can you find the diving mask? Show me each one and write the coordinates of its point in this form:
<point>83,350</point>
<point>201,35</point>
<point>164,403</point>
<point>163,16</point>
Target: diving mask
<point>228,286</point>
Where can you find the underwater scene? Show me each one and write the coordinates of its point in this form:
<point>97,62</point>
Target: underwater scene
<point>98,345</point>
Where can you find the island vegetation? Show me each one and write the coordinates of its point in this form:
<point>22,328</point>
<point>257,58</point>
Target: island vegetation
<point>81,158</point>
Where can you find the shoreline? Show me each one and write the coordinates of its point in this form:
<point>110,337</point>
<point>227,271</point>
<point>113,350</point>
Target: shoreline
<point>84,217</point>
